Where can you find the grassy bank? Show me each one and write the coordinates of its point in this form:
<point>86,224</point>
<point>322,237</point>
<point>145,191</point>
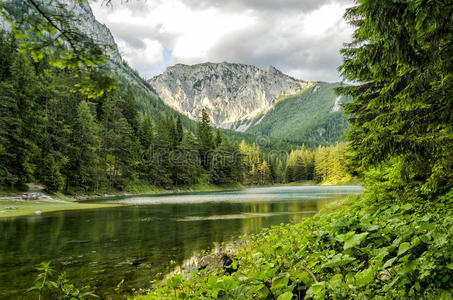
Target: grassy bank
<point>361,251</point>
<point>153,190</point>
<point>12,205</point>
<point>23,208</point>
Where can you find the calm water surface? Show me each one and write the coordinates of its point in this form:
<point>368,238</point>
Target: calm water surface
<point>137,242</point>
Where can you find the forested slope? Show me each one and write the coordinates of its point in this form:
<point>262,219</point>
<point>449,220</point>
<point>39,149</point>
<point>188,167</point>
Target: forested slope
<point>314,115</point>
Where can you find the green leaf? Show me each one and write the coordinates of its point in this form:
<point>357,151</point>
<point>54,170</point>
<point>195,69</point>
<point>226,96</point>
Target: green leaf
<point>338,260</point>
<point>336,280</point>
<point>403,248</point>
<point>262,292</point>
<point>175,281</point>
<point>389,262</point>
<point>317,290</point>
<point>355,240</point>
<point>365,277</point>
<point>285,296</point>
<point>212,280</point>
<point>280,281</point>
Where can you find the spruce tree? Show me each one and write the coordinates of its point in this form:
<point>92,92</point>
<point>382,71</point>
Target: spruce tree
<point>205,139</point>
<point>265,173</point>
<point>51,176</point>
<point>401,115</point>
<point>83,167</point>
<point>147,164</point>
<point>186,161</point>
<point>18,115</point>
<point>179,130</point>
<point>121,146</point>
<point>163,153</point>
<point>129,109</point>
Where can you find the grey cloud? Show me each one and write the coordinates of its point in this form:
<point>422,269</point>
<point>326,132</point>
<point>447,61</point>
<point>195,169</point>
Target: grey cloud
<point>265,43</point>
<point>308,58</point>
<point>261,5</point>
<point>142,7</point>
<point>134,35</point>
<point>138,7</point>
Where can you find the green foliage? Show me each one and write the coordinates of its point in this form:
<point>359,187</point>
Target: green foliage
<point>205,138</point>
<point>48,30</point>
<point>363,251</point>
<point>329,164</point>
<point>61,288</point>
<point>225,166</point>
<point>305,118</point>
<point>401,116</point>
<point>51,177</point>
<point>19,94</point>
<point>83,162</point>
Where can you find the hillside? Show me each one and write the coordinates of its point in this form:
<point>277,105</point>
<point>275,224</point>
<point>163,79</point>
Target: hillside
<point>313,115</point>
<point>247,99</point>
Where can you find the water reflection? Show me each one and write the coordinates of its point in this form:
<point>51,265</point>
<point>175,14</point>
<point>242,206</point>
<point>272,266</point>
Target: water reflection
<point>101,247</point>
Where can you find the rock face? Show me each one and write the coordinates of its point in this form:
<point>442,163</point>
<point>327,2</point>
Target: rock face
<point>229,92</point>
<point>87,23</point>
<point>83,20</point>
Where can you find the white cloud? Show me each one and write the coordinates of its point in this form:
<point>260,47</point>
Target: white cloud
<point>302,41</point>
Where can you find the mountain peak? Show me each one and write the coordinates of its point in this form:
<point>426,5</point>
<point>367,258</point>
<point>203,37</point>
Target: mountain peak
<point>272,69</point>
<point>230,92</point>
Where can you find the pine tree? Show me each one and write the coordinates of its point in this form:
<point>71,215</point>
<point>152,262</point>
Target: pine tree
<point>51,177</point>
<point>265,173</point>
<point>129,110</point>
<point>18,126</point>
<point>146,132</point>
<point>299,169</point>
<point>147,159</point>
<point>401,114</point>
<point>7,50</point>
<point>218,138</point>
<point>179,130</point>
<point>321,164</point>
<point>83,167</point>
<point>163,153</point>
<point>205,139</point>
<point>186,163</point>
<point>280,172</point>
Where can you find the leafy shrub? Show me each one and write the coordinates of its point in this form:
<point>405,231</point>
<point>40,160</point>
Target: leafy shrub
<point>61,288</point>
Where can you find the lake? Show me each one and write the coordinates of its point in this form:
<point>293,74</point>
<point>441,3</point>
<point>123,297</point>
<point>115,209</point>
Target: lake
<point>147,237</point>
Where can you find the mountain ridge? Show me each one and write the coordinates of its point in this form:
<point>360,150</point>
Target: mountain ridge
<point>244,98</point>
<point>229,92</point>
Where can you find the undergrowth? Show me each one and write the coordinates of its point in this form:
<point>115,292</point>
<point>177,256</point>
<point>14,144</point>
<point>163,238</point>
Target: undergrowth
<point>363,251</point>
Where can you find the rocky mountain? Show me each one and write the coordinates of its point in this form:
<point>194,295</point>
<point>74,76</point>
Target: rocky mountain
<point>229,92</point>
<point>247,99</point>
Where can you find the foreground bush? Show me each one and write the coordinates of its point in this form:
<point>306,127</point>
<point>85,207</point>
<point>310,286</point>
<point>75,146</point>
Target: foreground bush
<point>362,251</point>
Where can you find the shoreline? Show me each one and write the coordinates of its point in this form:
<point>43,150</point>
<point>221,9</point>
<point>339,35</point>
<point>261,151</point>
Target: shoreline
<point>13,205</point>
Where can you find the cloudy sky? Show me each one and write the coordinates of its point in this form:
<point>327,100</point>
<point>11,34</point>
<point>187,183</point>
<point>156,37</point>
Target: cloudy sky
<point>302,38</point>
